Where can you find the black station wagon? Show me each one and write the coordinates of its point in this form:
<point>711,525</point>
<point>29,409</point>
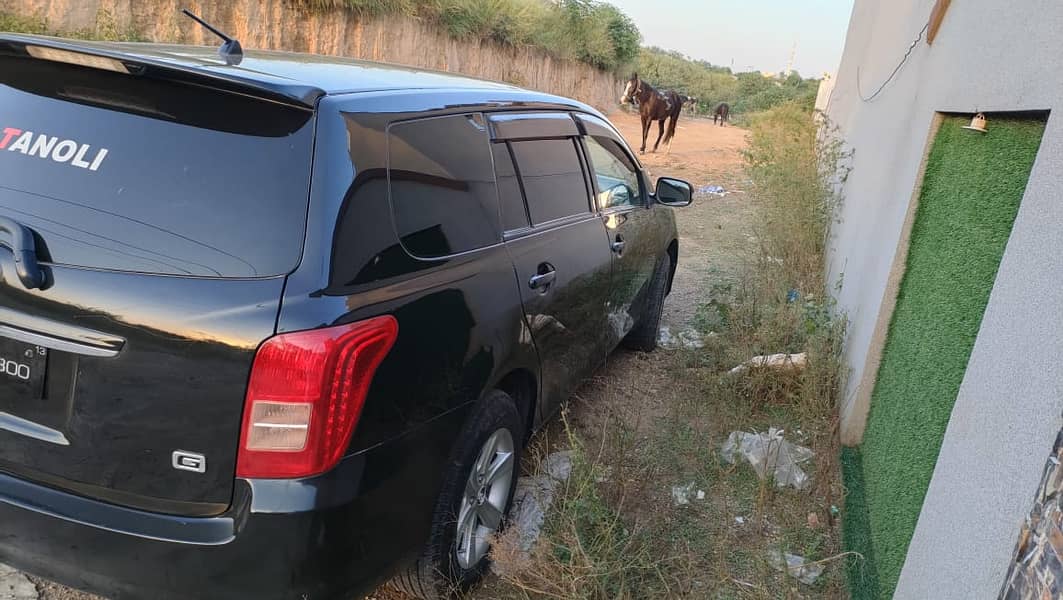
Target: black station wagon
<point>280,327</point>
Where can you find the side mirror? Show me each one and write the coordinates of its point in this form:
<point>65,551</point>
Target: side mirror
<point>674,192</point>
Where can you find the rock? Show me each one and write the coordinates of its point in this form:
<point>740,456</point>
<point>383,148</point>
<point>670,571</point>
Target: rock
<point>535,494</point>
<point>15,586</point>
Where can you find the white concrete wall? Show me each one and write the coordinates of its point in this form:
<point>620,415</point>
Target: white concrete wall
<point>989,56</point>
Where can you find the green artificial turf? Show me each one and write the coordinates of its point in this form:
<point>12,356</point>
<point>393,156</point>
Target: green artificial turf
<point>862,570</point>
<point>971,194</point>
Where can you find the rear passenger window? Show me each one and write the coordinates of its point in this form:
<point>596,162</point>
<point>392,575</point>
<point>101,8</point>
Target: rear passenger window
<point>552,176</point>
<point>514,215</point>
<point>442,185</point>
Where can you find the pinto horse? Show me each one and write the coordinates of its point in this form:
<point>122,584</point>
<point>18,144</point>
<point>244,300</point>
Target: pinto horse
<point>723,111</point>
<point>653,106</point>
<point>691,103</point>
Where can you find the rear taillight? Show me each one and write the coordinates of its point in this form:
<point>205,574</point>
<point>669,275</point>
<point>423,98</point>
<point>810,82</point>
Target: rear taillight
<point>305,396</point>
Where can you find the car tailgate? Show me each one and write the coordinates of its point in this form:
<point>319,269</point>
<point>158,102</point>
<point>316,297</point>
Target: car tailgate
<point>166,215</point>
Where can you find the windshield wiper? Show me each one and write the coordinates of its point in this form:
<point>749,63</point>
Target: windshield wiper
<point>24,247</point>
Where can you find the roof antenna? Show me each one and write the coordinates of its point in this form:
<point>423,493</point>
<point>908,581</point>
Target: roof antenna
<point>230,51</point>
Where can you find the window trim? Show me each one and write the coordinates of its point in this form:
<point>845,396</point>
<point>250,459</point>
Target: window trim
<point>520,187</point>
<point>531,125</point>
<point>563,222</point>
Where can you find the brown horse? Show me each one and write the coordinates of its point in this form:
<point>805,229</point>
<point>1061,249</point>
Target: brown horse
<point>653,106</point>
<point>723,111</point>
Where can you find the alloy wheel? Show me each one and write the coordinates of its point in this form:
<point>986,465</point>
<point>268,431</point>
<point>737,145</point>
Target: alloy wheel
<point>484,501</point>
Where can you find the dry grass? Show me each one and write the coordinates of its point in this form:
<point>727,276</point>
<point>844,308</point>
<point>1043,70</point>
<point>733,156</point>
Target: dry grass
<point>594,32</point>
<point>656,421</point>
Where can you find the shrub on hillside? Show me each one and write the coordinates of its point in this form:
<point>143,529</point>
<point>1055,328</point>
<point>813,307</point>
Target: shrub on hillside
<point>587,30</point>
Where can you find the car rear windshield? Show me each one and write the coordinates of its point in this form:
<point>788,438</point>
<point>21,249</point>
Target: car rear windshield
<point>130,173</point>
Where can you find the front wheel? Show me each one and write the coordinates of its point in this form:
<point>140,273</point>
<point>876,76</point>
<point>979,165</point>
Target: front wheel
<point>476,495</point>
<point>644,336</point>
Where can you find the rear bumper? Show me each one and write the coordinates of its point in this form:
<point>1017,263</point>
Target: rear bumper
<point>241,554</point>
<point>334,536</point>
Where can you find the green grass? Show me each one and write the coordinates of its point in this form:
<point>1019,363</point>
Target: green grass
<point>21,24</point>
<point>106,28</point>
<point>971,194</point>
<point>856,535</point>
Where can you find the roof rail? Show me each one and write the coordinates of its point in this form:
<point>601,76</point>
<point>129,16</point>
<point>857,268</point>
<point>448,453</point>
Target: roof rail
<point>125,58</point>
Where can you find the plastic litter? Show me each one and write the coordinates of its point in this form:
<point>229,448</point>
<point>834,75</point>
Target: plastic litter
<point>795,566</point>
<point>621,321</point>
<point>780,362</point>
<point>768,453</point>
<point>740,520</point>
<point>688,338</point>
<point>682,494</point>
<point>715,190</point>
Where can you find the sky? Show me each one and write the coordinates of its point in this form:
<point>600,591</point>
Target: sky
<point>758,35</point>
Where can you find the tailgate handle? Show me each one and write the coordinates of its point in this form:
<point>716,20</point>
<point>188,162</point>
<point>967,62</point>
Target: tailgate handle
<point>24,247</point>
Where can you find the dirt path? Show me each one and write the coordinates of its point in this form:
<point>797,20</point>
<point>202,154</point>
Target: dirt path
<point>714,233</point>
<point>716,238</point>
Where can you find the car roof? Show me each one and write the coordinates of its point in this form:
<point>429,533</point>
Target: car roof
<point>287,76</point>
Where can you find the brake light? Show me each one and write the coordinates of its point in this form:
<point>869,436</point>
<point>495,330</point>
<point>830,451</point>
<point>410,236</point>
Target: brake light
<point>305,396</point>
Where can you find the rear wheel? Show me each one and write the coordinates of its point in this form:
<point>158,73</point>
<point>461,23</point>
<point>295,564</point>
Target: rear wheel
<point>644,336</point>
<point>477,493</point>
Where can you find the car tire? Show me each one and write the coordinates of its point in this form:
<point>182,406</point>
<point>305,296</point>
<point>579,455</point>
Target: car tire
<point>448,565</point>
<point>645,333</point>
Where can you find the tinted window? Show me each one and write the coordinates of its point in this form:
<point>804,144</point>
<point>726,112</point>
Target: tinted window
<point>442,185</point>
<point>136,174</point>
<point>553,180</point>
<point>617,177</point>
<point>514,214</point>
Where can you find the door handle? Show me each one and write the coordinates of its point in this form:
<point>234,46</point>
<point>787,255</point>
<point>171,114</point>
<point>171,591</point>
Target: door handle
<point>618,246</point>
<point>543,280</point>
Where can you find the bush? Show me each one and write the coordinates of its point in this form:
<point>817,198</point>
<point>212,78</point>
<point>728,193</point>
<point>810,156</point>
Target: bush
<point>586,30</point>
<point>19,24</point>
<point>712,84</point>
<point>106,28</point>
<point>794,167</point>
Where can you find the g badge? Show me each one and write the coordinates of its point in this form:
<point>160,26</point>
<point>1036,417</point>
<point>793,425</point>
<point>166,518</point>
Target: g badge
<point>189,461</point>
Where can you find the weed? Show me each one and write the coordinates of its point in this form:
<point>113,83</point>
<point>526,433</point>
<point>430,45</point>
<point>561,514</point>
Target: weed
<point>626,537</point>
<point>587,549</point>
<point>106,28</point>
<point>21,24</point>
<point>593,32</point>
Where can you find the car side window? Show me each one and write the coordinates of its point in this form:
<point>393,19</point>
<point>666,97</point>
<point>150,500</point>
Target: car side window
<point>442,185</point>
<point>617,177</point>
<point>510,198</point>
<point>552,177</point>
